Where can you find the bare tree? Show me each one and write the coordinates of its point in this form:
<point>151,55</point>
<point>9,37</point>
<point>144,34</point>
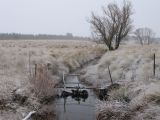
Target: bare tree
<point>144,35</point>
<point>114,25</point>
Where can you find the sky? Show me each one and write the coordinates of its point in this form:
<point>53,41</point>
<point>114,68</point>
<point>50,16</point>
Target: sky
<point>68,16</point>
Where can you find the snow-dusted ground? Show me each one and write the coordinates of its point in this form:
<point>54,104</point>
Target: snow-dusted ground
<point>15,56</point>
<point>132,67</point>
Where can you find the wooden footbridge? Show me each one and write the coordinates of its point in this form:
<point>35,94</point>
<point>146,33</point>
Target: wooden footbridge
<point>78,90</point>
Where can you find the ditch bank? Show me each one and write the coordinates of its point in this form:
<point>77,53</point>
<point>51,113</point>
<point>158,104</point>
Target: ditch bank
<point>73,106</point>
<point>61,108</point>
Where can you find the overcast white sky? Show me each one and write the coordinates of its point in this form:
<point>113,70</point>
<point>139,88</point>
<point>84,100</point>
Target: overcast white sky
<point>62,16</point>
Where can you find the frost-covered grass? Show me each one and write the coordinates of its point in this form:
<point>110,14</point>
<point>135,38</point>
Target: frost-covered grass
<point>132,67</point>
<point>18,59</point>
<point>59,56</point>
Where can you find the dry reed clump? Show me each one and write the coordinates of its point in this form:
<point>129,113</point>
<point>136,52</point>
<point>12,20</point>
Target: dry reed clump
<point>152,112</point>
<point>43,83</point>
<point>149,94</point>
<point>113,111</point>
<point>120,95</point>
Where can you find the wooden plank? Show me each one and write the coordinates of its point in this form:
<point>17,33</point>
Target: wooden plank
<point>80,87</point>
<point>64,81</point>
<point>72,83</point>
<point>72,74</point>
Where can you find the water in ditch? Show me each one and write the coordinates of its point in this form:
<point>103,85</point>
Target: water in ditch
<point>75,108</point>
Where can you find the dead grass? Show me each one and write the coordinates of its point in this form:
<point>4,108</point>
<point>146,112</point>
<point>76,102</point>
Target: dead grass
<point>43,83</point>
<point>120,95</point>
<point>132,67</point>
<point>59,56</point>
<point>113,111</point>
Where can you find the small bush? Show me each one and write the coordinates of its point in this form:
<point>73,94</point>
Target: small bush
<point>43,84</point>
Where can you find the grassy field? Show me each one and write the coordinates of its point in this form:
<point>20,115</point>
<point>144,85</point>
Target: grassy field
<point>132,67</point>
<point>17,68</point>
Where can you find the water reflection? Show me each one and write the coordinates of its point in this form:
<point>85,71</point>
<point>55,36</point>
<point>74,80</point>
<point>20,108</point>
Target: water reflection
<point>75,104</point>
<point>77,95</point>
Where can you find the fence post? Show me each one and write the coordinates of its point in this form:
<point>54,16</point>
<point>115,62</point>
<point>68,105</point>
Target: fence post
<point>154,64</point>
<point>64,81</point>
<point>35,72</point>
<point>29,60</point>
<point>110,75</point>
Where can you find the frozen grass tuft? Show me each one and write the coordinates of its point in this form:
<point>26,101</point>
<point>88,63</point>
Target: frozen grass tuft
<point>112,111</point>
<point>120,95</point>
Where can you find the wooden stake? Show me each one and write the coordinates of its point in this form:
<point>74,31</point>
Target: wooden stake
<point>29,60</point>
<point>35,70</point>
<point>110,75</point>
<point>154,64</point>
<point>64,81</point>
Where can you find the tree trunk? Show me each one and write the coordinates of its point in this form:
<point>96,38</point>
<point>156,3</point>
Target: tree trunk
<point>110,48</point>
<point>117,46</point>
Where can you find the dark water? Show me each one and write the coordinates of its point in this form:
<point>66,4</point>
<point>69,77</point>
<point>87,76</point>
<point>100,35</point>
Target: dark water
<point>75,108</point>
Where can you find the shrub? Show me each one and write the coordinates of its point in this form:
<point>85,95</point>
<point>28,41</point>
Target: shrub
<point>43,84</point>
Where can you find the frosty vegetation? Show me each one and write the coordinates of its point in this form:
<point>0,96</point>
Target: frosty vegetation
<point>21,86</point>
<point>30,69</point>
<point>132,67</point>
